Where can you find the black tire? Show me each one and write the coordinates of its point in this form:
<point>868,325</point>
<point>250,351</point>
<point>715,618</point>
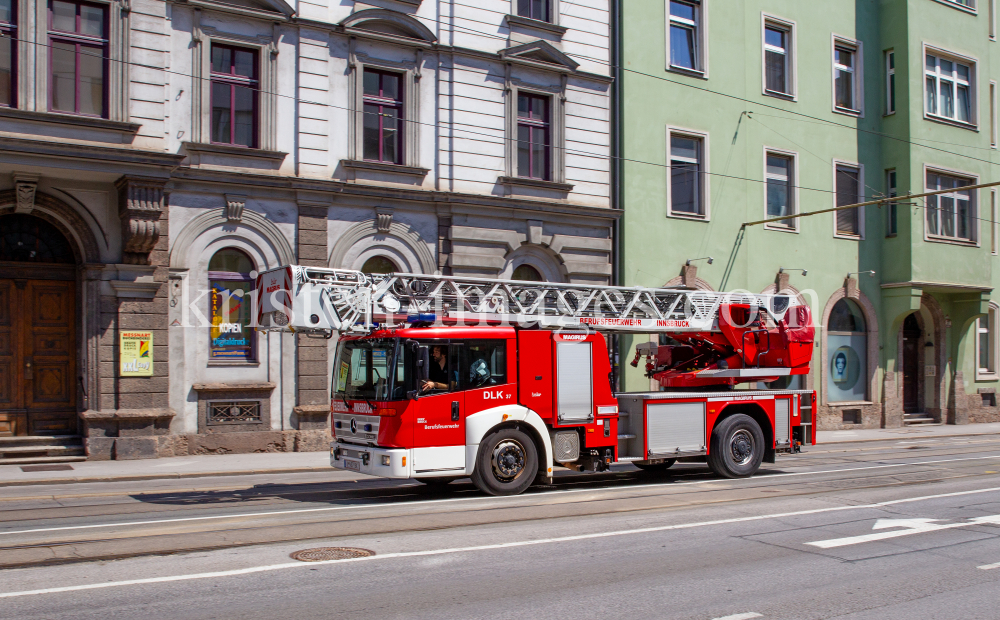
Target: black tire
<point>737,447</point>
<point>655,467</point>
<point>507,462</point>
<point>435,482</point>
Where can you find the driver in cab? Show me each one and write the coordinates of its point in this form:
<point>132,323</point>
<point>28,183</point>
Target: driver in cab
<point>437,375</point>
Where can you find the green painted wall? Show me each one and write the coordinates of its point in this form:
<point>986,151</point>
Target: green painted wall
<point>741,122</point>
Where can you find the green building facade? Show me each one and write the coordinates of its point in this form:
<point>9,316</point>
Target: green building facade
<point>735,111</point>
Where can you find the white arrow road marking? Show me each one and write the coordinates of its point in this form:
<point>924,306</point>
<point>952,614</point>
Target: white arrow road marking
<point>909,527</point>
<point>989,566</point>
<point>747,616</point>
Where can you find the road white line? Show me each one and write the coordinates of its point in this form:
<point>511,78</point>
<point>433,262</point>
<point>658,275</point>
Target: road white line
<point>478,498</point>
<point>509,545</point>
<point>747,616</point>
<point>989,566</point>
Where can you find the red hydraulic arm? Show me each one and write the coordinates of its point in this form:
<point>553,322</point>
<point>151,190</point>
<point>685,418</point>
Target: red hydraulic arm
<point>749,346</point>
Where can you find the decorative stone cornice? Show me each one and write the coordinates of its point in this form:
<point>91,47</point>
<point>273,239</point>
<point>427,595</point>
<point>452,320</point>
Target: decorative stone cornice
<point>383,219</point>
<point>25,185</point>
<point>234,207</point>
<point>140,204</point>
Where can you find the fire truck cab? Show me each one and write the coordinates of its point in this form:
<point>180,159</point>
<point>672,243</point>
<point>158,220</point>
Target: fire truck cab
<point>504,405</point>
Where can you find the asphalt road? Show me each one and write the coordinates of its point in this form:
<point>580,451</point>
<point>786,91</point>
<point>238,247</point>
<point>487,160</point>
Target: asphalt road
<point>901,529</point>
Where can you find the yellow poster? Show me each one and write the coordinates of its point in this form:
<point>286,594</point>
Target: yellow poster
<point>136,359</point>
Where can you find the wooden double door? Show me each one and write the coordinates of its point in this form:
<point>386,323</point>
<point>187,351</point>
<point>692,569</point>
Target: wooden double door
<point>37,357</point>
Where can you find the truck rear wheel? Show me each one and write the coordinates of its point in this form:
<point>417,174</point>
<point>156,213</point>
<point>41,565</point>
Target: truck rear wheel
<point>506,463</point>
<point>737,447</point>
<point>655,466</point>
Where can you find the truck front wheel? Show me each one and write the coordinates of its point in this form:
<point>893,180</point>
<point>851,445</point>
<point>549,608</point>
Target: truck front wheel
<point>737,447</point>
<point>506,463</point>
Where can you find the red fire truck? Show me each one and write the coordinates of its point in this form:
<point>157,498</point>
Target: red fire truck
<point>437,378</point>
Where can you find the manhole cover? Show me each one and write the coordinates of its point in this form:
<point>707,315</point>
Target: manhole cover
<point>322,554</point>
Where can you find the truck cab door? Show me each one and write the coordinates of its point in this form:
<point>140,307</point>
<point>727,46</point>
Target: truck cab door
<point>440,413</point>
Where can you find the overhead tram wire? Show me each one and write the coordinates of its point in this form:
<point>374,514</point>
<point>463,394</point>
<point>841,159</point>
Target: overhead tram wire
<point>882,200</point>
<point>503,141</point>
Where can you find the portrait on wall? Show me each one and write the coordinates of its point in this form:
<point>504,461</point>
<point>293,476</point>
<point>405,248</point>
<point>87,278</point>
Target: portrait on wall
<point>839,369</point>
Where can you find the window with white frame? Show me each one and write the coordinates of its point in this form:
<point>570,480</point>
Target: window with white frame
<point>685,34</point>
<point>950,214</point>
<point>949,88</point>
<point>687,195</point>
<point>986,344</point>
<point>994,230</point>
<point>846,77</point>
<point>777,58</point>
<point>848,187</point>
<point>890,82</point>
<point>892,226</point>
<point>779,180</point>
<point>993,114</point>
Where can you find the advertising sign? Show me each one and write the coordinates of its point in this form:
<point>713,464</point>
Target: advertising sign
<point>136,357</point>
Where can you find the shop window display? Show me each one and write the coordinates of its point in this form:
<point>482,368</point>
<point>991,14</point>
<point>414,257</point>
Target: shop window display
<point>847,349</point>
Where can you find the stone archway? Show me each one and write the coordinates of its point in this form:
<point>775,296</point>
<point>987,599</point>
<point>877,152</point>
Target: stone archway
<point>51,311</point>
<point>832,416</point>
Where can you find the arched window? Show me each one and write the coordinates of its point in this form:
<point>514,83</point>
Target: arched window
<point>527,273</point>
<point>232,336</point>
<point>379,264</point>
<point>25,238</point>
<point>847,346</point>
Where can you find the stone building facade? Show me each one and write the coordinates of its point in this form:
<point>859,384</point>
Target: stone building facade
<point>212,140</point>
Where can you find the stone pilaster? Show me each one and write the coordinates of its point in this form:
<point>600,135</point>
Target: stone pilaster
<point>313,397</point>
<point>122,422</point>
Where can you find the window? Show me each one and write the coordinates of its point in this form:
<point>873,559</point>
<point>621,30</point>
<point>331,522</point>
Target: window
<point>994,225</point>
<point>892,226</point>
<point>379,264</point>
<point>686,171</point>
<point>993,114</point>
<point>846,78</point>
<point>685,35</point>
<point>848,183</point>
<point>534,152</point>
<point>949,89</point>
<point>847,348</point>
<point>950,214</point>
<point>890,82</point>
<point>235,87</point>
<point>383,116</point>
<point>8,35</point>
<point>778,174</point>
<point>986,344</point>
<point>527,273</point>
<point>993,20</point>
<point>232,336</point>
<point>535,9</point>
<point>777,59</point>
<point>79,42</point>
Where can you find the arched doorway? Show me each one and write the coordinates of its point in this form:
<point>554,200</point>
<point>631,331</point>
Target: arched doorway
<point>912,337</point>
<point>37,328</point>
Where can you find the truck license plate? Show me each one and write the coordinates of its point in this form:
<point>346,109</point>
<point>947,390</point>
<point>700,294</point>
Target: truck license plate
<point>355,465</point>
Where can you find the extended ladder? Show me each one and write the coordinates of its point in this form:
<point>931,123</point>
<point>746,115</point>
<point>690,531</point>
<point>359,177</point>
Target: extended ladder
<point>312,299</point>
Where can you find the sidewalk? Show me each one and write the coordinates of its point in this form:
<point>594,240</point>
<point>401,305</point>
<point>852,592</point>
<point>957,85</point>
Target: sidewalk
<point>907,432</point>
<point>177,467</point>
<point>302,462</point>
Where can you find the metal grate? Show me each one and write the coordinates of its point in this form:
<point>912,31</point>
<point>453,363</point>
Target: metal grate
<point>326,554</point>
<point>234,412</point>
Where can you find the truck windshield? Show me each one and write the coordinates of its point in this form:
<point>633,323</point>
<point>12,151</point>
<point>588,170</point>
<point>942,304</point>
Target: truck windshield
<point>365,370</point>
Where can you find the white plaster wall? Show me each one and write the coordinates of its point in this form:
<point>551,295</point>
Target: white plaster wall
<point>189,337</point>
